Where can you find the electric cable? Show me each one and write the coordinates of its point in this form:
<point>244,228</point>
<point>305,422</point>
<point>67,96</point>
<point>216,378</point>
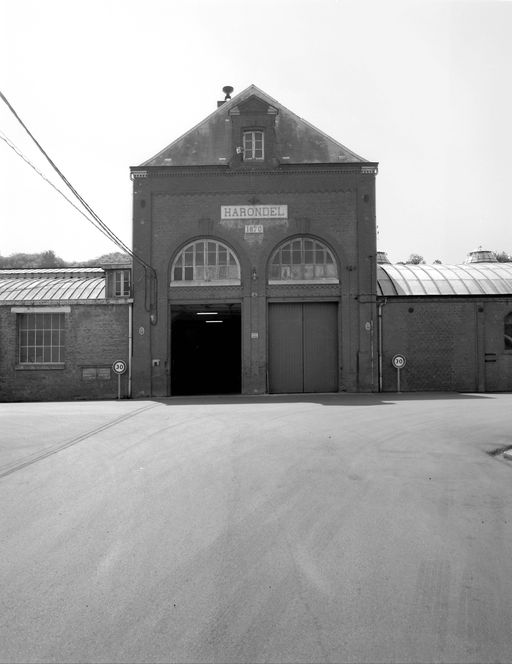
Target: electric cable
<point>107,230</point>
<point>15,149</point>
<point>100,225</point>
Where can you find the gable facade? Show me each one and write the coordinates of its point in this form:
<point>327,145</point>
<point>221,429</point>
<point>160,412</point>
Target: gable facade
<point>261,231</point>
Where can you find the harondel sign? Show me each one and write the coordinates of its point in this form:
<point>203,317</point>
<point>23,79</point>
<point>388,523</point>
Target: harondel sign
<point>253,212</point>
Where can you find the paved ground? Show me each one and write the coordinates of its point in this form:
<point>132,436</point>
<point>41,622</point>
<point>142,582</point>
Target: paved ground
<point>332,529</point>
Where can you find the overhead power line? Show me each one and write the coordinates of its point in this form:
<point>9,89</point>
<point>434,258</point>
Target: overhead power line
<point>96,221</point>
<point>15,149</point>
<point>107,231</point>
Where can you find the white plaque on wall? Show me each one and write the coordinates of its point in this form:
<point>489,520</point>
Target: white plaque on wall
<point>253,212</point>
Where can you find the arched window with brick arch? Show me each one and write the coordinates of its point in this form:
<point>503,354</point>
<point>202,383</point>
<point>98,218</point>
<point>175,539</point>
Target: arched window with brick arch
<point>508,331</point>
<point>303,260</point>
<point>204,263</point>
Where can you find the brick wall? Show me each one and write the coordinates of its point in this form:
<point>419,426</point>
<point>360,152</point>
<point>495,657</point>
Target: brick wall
<point>451,344</point>
<point>335,205</point>
<point>96,336</point>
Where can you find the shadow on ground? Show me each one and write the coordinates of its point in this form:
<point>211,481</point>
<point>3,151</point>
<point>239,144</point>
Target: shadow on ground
<point>338,399</point>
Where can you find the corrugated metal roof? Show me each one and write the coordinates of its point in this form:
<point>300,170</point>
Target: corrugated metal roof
<point>467,279</point>
<point>20,288</point>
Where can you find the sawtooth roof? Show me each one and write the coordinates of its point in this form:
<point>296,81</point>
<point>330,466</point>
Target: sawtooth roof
<point>209,143</point>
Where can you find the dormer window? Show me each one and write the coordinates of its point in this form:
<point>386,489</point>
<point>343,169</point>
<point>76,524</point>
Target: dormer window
<point>253,146</point>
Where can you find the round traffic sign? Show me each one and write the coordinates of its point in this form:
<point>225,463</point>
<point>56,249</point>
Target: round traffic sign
<point>399,361</point>
<point>119,367</point>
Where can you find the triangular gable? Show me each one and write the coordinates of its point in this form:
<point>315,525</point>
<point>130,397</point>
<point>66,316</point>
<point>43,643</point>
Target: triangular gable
<point>210,142</point>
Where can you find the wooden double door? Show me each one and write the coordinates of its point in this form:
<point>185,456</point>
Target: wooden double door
<point>303,347</point>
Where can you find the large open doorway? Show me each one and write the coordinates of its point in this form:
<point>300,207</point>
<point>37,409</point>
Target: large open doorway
<point>206,353</point>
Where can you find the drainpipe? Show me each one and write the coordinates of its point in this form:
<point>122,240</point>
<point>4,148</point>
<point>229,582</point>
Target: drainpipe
<point>130,348</point>
<point>379,314</point>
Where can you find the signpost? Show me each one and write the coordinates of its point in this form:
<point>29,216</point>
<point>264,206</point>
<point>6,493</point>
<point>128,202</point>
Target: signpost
<point>399,361</point>
<point>119,367</point>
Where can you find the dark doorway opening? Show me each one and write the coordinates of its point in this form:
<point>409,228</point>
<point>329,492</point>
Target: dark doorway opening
<point>206,349</point>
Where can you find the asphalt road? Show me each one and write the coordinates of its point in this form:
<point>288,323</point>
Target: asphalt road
<point>339,528</point>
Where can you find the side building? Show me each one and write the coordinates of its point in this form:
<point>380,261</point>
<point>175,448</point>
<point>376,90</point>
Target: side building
<point>261,231</point>
<point>61,330</point>
<point>452,323</point>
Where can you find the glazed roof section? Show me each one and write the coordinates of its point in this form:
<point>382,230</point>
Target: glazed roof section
<point>467,279</point>
<point>209,142</point>
<point>79,284</point>
<point>55,285</point>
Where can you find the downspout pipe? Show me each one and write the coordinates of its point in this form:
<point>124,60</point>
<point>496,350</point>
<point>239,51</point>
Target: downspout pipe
<point>130,348</point>
<point>380,349</point>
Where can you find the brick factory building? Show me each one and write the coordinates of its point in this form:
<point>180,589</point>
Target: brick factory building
<point>264,277</point>
<point>261,230</point>
<point>61,330</point>
<point>453,323</point>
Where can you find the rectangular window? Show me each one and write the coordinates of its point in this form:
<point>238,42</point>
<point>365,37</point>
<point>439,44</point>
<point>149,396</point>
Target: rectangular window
<point>41,338</point>
<point>253,145</point>
<point>122,283</point>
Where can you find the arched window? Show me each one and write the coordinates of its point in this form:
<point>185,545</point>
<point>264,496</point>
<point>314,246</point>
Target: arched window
<point>205,261</point>
<point>303,259</point>
<point>508,331</point>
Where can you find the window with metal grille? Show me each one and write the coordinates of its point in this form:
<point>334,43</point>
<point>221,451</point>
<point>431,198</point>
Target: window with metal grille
<point>41,338</point>
<point>122,283</point>
<point>508,331</point>
<point>253,145</point>
<point>203,262</point>
<point>303,259</point>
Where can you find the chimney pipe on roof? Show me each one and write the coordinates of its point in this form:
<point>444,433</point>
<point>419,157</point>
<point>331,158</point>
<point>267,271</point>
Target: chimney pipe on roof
<point>227,90</point>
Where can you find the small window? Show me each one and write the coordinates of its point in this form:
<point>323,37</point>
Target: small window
<point>253,146</point>
<point>303,259</point>
<point>508,331</point>
<point>122,283</point>
<point>41,338</point>
<point>203,262</point>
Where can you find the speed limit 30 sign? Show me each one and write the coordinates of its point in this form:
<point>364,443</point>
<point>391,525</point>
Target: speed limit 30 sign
<point>399,361</point>
<point>119,367</point>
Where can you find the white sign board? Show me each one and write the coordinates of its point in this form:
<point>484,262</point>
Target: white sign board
<point>253,212</point>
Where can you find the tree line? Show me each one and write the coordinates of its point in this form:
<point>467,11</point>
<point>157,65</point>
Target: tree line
<point>48,259</point>
<point>417,259</point>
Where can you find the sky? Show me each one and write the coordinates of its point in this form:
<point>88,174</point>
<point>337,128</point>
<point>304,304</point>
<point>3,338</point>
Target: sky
<point>423,88</point>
